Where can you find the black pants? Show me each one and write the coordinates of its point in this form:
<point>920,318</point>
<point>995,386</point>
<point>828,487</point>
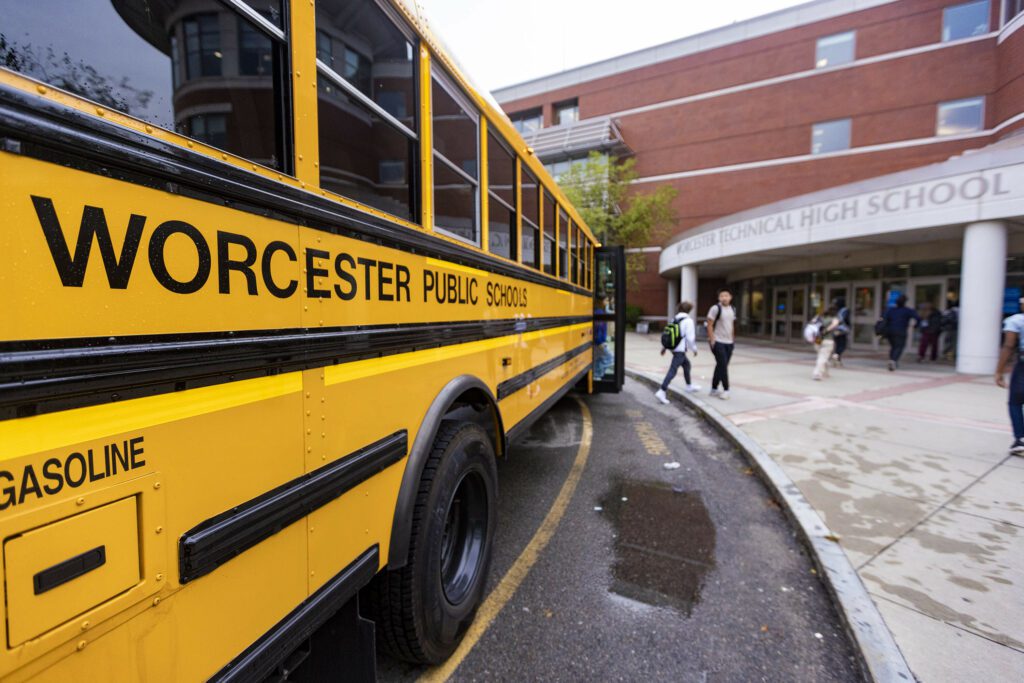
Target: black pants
<point>841,340</point>
<point>723,354</point>
<point>897,342</point>
<point>678,360</point>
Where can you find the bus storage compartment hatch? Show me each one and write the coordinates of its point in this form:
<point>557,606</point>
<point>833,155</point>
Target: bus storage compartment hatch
<point>60,570</point>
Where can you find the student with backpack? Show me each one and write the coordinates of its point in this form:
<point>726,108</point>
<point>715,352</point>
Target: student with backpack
<point>722,338</point>
<point>896,324</point>
<point>842,331</point>
<point>821,332</point>
<point>679,336</point>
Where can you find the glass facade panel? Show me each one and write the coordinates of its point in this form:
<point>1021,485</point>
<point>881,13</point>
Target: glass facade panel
<point>961,116</point>
<point>830,136</point>
<point>835,50</point>
<point>527,121</point>
<point>964,21</point>
<point>567,112</point>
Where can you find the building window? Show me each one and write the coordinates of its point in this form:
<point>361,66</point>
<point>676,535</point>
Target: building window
<point>964,21</point>
<point>961,116</point>
<point>357,72</point>
<point>527,121</point>
<point>209,128</point>
<point>255,51</point>
<point>567,112</point>
<point>202,46</point>
<point>835,50</point>
<point>1013,8</point>
<point>830,136</point>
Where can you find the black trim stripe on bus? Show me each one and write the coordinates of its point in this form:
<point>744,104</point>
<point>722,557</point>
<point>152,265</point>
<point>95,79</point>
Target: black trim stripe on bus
<point>260,659</point>
<point>50,375</point>
<point>523,426</point>
<point>514,384</point>
<point>49,131</point>
<point>227,535</point>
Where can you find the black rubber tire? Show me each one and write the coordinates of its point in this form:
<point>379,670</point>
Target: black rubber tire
<point>416,621</point>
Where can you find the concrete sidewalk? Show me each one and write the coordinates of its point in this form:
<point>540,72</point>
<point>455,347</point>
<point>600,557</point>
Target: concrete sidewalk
<point>911,469</point>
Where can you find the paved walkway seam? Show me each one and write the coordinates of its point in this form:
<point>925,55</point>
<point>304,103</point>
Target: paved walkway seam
<point>881,658</point>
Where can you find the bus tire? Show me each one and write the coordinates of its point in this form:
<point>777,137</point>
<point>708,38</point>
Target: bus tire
<point>423,610</point>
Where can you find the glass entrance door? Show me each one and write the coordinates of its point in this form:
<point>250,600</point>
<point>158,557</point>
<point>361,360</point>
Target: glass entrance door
<point>609,319</point>
<point>789,314</point>
<point>865,311</point>
<point>926,296</point>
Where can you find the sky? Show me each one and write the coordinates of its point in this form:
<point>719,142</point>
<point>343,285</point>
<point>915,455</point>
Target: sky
<point>503,43</point>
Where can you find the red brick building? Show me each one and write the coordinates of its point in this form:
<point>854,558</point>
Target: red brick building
<point>818,96</point>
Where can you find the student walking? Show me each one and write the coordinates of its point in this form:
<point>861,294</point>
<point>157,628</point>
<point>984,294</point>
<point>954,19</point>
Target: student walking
<point>1013,351</point>
<point>687,342</point>
<point>897,323</point>
<point>722,337</point>
<point>931,328</point>
<point>950,326</point>
<point>841,334</point>
<point>821,332</point>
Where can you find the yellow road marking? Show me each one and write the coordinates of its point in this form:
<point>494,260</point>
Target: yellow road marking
<point>650,439</point>
<point>504,591</point>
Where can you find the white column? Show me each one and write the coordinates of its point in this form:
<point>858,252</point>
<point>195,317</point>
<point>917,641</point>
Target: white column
<point>688,285</point>
<point>673,297</point>
<point>982,281</point>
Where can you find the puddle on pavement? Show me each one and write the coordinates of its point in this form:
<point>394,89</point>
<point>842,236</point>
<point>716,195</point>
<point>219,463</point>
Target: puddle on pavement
<point>664,544</point>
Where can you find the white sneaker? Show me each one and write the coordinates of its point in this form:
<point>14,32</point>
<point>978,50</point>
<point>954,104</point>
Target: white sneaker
<point>660,395</point>
<point>724,396</point>
<point>713,392</point>
<point>692,388</point>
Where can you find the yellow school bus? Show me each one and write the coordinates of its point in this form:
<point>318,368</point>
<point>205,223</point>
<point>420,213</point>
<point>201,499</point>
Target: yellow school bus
<point>278,287</point>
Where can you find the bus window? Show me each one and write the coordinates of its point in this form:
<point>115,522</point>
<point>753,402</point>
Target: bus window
<point>501,182</point>
<point>574,257</point>
<point>548,248</point>
<point>366,107</point>
<point>147,60</point>
<point>531,220</point>
<point>563,245</point>
<point>456,161</point>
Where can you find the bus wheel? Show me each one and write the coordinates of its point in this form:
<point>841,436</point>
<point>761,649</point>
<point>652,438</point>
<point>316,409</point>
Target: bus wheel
<point>423,609</point>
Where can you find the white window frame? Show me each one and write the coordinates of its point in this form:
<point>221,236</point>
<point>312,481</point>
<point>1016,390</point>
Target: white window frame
<point>849,138</point>
<point>953,104</point>
<point>834,38</point>
<point>946,11</point>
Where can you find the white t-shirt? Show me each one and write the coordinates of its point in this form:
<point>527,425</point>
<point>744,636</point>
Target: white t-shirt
<point>723,327</point>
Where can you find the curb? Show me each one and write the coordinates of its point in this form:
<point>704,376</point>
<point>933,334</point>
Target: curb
<point>881,658</point>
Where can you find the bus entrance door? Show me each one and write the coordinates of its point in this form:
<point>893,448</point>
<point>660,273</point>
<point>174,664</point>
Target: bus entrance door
<point>609,319</point>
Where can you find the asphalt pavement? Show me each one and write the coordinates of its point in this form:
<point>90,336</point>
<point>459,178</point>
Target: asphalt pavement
<point>686,574</point>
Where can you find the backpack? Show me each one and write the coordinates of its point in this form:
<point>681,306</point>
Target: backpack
<point>812,331</point>
<point>844,321</point>
<point>671,335</point>
<point>949,320</point>
<point>881,327</point>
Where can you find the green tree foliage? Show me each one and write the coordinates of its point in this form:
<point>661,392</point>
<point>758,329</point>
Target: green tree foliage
<point>601,189</point>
